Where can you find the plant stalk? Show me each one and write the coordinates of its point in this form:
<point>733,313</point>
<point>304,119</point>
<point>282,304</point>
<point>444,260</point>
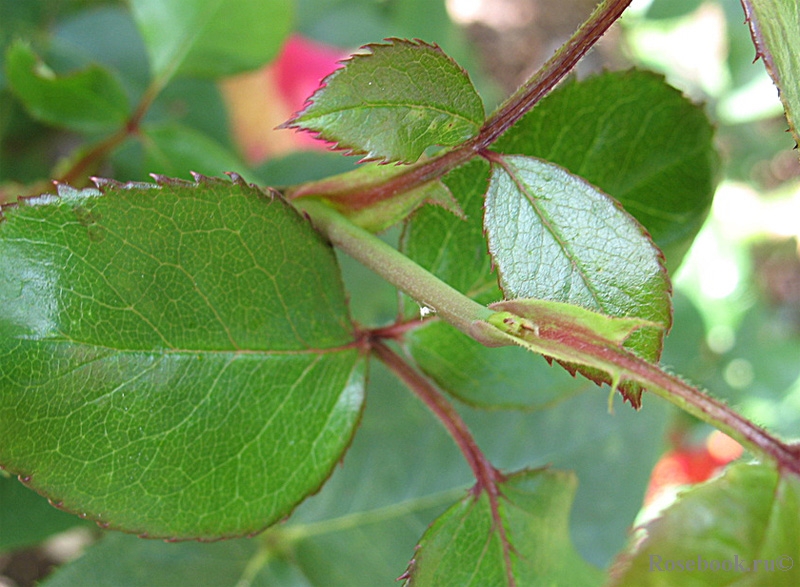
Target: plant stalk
<point>448,303</point>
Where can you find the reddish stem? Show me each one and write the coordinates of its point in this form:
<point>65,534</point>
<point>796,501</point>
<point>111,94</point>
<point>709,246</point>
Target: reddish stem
<point>486,476</point>
<point>504,118</point>
<point>103,148</point>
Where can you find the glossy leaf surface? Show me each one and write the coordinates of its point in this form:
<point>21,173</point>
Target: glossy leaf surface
<point>638,140</point>
<point>89,100</point>
<point>211,38</point>
<point>740,529</point>
<point>774,25</point>
<point>394,102</point>
<point>555,237</point>
<point>179,359</point>
<point>465,546</point>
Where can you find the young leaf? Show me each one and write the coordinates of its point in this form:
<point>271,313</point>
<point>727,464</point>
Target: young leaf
<point>393,102</point>
<point>774,25</point>
<point>638,140</point>
<point>742,528</point>
<point>179,361</point>
<point>210,38</point>
<point>528,545</point>
<point>89,100</point>
<point>375,216</point>
<point>555,237</point>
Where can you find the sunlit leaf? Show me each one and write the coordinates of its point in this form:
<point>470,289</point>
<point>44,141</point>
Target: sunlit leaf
<point>637,139</point>
<point>740,529</point>
<point>774,25</point>
<point>393,102</point>
<point>178,359</point>
<point>555,237</point>
<point>384,508</point>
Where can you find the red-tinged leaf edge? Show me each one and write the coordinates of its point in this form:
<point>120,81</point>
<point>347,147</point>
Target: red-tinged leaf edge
<point>103,185</point>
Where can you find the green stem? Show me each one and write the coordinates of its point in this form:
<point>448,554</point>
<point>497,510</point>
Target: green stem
<point>449,304</point>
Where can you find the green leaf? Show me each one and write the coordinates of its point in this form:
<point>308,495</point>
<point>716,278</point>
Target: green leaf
<point>661,9</point>
<point>89,100</point>
<point>742,528</point>
<point>393,102</point>
<point>555,237</point>
<point>774,25</point>
<point>179,358</point>
<point>638,140</point>
<point>211,38</point>
<point>149,563</point>
<point>454,249</point>
<point>465,546</point>
<point>176,150</point>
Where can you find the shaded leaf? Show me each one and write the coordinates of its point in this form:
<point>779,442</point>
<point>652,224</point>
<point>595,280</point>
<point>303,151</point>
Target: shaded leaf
<point>393,102</point>
<point>506,377</point>
<point>89,100</point>
<point>464,546</point>
<point>148,563</point>
<point>740,529</point>
<point>176,150</point>
<point>555,237</point>
<point>638,140</point>
<point>180,357</point>
<point>211,38</point>
<point>25,518</point>
<point>774,25</point>
<point>660,9</point>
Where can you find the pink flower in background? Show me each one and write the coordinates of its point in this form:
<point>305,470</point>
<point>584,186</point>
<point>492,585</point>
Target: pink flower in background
<point>301,67</point>
<point>261,100</point>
